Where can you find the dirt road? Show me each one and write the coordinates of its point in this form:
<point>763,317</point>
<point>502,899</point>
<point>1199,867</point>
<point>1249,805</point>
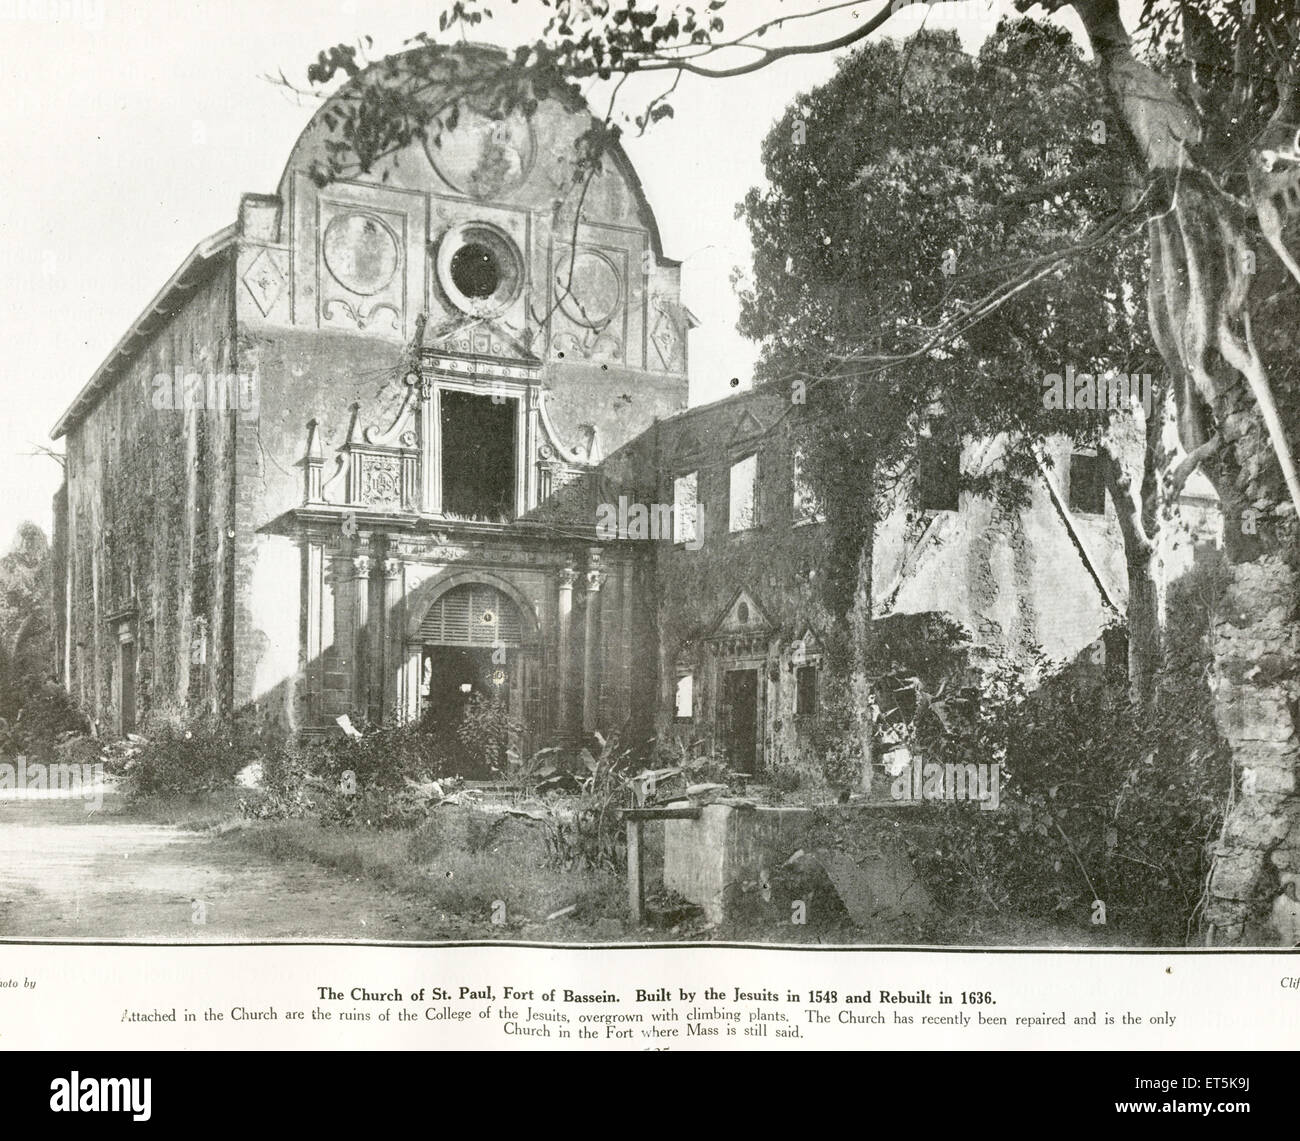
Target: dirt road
<point>66,873</point>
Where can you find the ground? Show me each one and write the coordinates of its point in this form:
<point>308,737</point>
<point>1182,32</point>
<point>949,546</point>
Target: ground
<point>69,874</point>
<point>195,871</point>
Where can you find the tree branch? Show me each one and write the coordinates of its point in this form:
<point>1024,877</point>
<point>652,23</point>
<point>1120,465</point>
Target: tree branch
<point>1128,506</point>
<point>1175,479</point>
<point>771,55</point>
<point>1088,176</point>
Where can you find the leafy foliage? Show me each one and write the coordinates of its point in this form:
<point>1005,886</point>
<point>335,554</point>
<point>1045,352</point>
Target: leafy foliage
<point>48,715</point>
<point>179,758</point>
<point>26,629</point>
<point>369,780</point>
<point>484,735</point>
<point>1228,62</point>
<point>1099,800</point>
<point>288,788</point>
<point>588,832</point>
<point>903,196</point>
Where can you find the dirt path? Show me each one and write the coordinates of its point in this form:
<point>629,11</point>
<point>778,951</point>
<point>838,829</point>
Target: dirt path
<point>66,873</point>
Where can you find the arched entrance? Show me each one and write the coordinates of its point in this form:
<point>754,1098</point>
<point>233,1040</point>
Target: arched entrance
<point>478,655</point>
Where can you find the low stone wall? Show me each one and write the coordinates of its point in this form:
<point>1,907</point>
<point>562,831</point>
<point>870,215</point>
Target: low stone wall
<point>714,860</point>
<point>709,859</point>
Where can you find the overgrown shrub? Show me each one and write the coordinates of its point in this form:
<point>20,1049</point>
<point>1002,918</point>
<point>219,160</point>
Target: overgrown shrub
<point>373,807</point>
<point>588,831</point>
<point>368,780</point>
<point>1100,801</point>
<point>289,788</point>
<point>47,716</point>
<point>484,736</point>
<point>179,758</point>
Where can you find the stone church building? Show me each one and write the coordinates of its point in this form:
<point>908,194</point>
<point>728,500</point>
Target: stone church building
<point>359,456</point>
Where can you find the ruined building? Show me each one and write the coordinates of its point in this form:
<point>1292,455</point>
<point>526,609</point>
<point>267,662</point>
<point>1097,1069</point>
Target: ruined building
<point>351,459</point>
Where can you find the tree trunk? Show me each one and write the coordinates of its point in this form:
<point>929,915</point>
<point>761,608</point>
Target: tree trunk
<point>1255,686</point>
<point>1138,512</point>
<point>1145,634</point>
<point>1216,326</point>
<point>860,629</point>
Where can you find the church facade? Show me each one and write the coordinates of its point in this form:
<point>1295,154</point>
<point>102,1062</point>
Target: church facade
<point>376,445</point>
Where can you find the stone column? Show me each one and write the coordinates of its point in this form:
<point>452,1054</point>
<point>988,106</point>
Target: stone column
<point>626,641</point>
<point>591,644</point>
<point>360,622</point>
<point>314,556</point>
<point>411,683</point>
<point>390,634</point>
<point>563,617</point>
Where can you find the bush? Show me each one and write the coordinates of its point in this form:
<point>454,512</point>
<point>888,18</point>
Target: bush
<point>587,831</point>
<point>175,758</point>
<point>368,780</point>
<point>287,786</point>
<point>383,757</point>
<point>48,715</point>
<point>1100,801</point>
<point>484,736</point>
<point>373,807</point>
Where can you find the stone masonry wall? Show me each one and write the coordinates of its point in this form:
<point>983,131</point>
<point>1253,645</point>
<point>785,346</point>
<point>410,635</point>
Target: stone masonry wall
<point>149,524</point>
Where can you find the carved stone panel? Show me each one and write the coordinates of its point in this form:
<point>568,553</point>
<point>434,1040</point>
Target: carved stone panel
<point>666,335</point>
<point>358,257</point>
<point>484,158</point>
<point>589,290</point>
<point>361,257</point>
<point>383,480</point>
<point>266,278</point>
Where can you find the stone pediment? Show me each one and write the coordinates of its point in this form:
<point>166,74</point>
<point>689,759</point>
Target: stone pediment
<point>806,648</point>
<point>688,451</point>
<point>742,616</point>
<point>747,427</point>
<point>468,346</point>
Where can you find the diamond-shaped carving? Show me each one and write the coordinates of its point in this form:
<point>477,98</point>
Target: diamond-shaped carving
<point>265,280</point>
<point>664,334</point>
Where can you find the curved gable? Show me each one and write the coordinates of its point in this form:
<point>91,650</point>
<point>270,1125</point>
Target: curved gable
<point>481,226</point>
<point>522,161</point>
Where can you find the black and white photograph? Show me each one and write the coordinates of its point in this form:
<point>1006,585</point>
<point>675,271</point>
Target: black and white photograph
<point>590,473</point>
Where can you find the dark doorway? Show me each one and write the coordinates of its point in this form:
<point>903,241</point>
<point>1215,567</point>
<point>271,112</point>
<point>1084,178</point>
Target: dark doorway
<point>127,674</point>
<point>478,456</point>
<point>457,678</point>
<point>741,696</point>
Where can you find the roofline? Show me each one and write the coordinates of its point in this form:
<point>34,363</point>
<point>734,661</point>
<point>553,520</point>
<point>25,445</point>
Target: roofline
<point>712,405</point>
<point>163,303</point>
<point>568,98</point>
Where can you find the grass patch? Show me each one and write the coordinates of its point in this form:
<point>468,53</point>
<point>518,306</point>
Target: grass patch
<point>462,861</point>
<point>215,811</point>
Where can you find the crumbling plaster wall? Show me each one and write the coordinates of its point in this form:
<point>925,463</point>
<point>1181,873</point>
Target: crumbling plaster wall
<point>149,523</point>
<point>1015,579</point>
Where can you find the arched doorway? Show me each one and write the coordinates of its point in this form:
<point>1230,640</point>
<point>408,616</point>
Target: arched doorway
<point>478,656</point>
